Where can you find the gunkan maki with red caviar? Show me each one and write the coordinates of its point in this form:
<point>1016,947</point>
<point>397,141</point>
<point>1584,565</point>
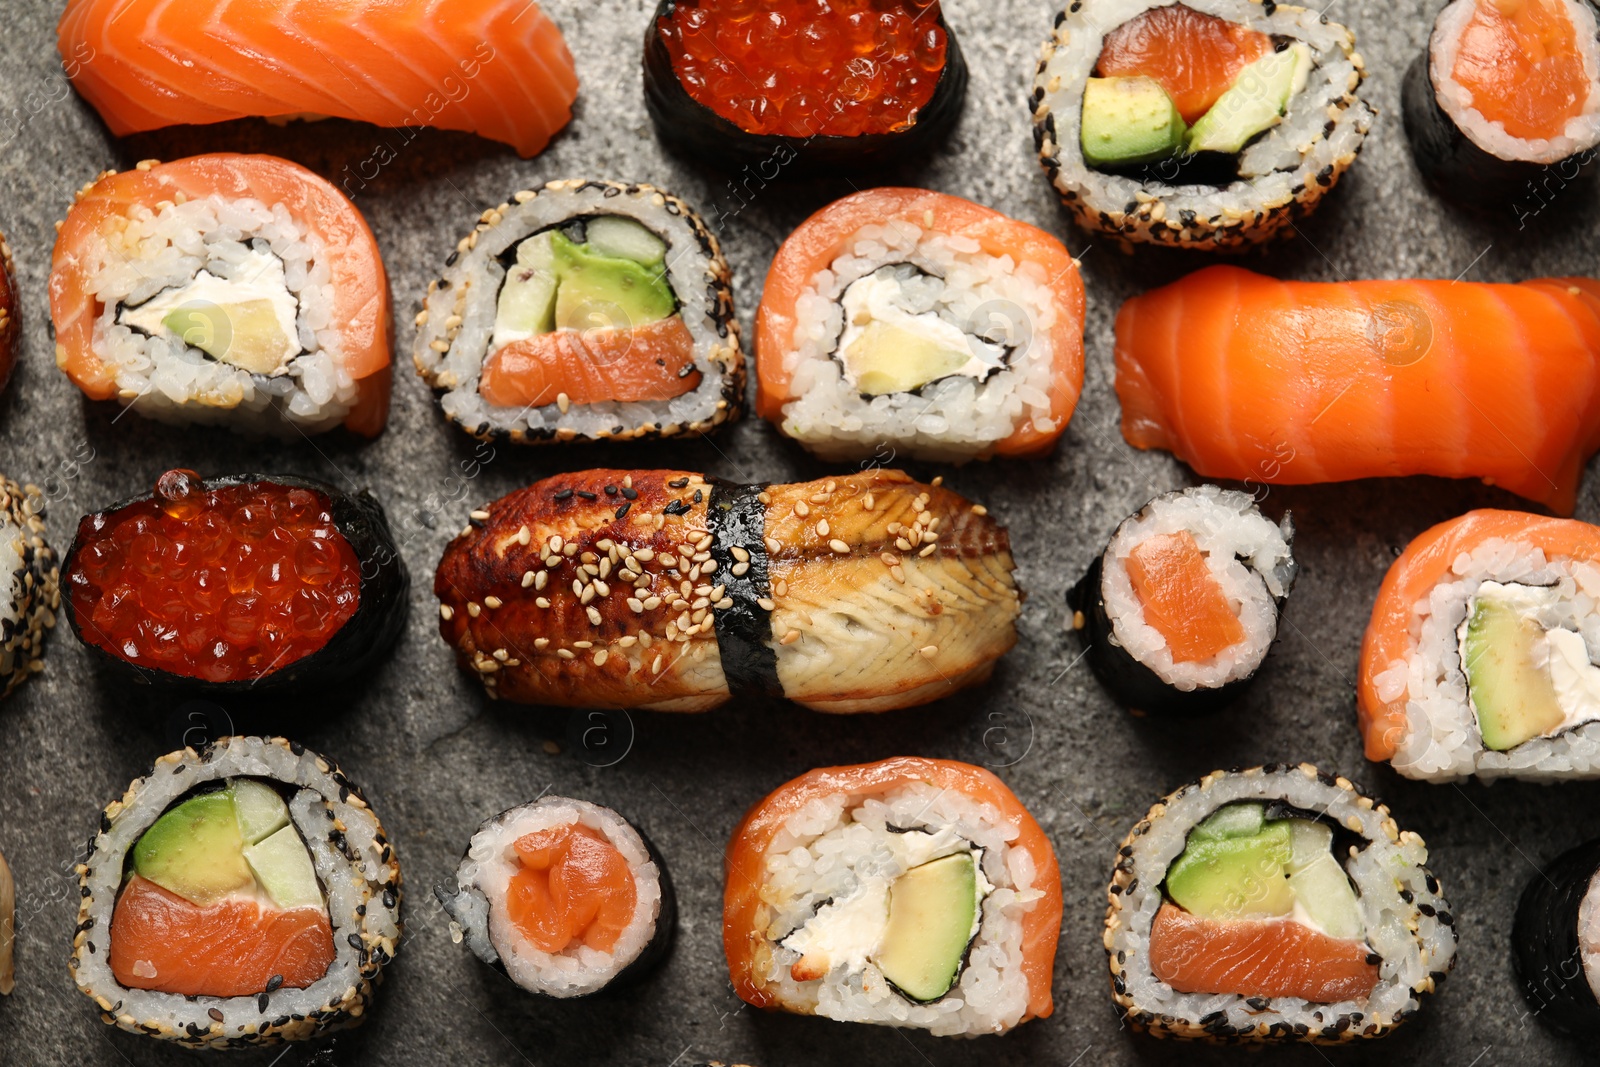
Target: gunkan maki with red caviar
<point>245,582</point>
<point>794,85</point>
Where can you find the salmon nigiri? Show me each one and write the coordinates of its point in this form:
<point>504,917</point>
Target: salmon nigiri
<point>499,68</point>
<point>1244,376</point>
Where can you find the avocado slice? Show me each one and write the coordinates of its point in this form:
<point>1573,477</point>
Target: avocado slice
<point>195,850</point>
<point>1324,891</point>
<point>604,291</point>
<point>282,865</point>
<point>931,913</point>
<point>246,334</point>
<point>1509,689</point>
<point>1255,102</point>
<point>1234,877</point>
<point>617,237</point>
<point>1129,121</point>
<point>886,358</point>
<point>1243,819</point>
<point>260,810</point>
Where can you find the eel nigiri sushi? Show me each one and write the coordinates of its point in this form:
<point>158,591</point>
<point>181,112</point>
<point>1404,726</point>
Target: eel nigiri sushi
<point>671,591</point>
<point>1290,383</point>
<point>498,68</point>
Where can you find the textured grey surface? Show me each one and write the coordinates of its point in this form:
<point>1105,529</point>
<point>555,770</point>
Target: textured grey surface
<point>436,758</point>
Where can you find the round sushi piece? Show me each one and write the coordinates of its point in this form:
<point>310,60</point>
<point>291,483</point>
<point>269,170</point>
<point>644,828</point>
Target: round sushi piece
<point>1555,943</point>
<point>1179,611</point>
<point>31,594</point>
<point>1480,658</point>
<point>585,310</point>
<point>563,896</point>
<point>1274,904</point>
<point>241,894</point>
<point>1209,124</point>
<point>1503,108</point>
<point>242,290</point>
<point>921,322</point>
<point>805,86</point>
<point>910,892</point>
<point>243,583</point>
<point>10,321</point>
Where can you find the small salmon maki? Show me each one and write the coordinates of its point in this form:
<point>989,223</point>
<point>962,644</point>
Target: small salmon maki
<point>499,68</point>
<point>1243,376</point>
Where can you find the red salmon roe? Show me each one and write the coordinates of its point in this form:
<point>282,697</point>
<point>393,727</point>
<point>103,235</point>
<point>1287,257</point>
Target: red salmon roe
<point>225,585</point>
<point>804,67</point>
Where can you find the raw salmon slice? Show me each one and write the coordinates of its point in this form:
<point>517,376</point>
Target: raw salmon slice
<point>1194,56</point>
<point>650,362</point>
<point>573,886</point>
<point>1257,958</point>
<point>1521,62</point>
<point>161,942</point>
<point>1182,598</point>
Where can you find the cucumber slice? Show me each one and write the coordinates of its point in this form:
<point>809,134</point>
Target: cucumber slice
<point>283,867</point>
<point>1308,842</point>
<point>1235,820</point>
<point>1128,121</point>
<point>625,238</point>
<point>1255,103</point>
<point>1324,891</point>
<point>259,808</point>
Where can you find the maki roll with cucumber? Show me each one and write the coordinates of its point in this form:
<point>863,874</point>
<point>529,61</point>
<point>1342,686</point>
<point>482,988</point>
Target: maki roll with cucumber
<point>1209,124</point>
<point>243,894</point>
<point>1181,608</point>
<point>246,582</point>
<point>30,589</point>
<point>1503,108</point>
<point>1481,656</point>
<point>1555,943</point>
<point>910,892</point>
<point>564,897</point>
<point>803,85</point>
<point>1274,904</point>
<point>584,310</point>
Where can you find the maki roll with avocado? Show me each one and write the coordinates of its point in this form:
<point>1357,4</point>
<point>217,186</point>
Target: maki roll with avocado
<point>243,894</point>
<point>246,582</point>
<point>1555,943</point>
<point>1274,904</point>
<point>1179,611</point>
<point>30,591</point>
<point>1208,124</point>
<point>584,310</point>
<point>564,897</point>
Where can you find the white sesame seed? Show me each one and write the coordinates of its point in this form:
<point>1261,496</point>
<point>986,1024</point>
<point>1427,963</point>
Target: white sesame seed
<point>789,638</point>
<point>651,603</point>
<point>601,587</point>
<point>899,574</point>
<point>587,594</point>
<point>724,604</point>
<point>583,644</point>
<point>540,579</point>
<point>644,640</point>
<point>823,529</point>
<point>801,508</point>
<point>564,402</point>
<point>766,605</point>
<point>501,654</point>
<point>528,578</point>
<point>556,543</point>
<point>524,536</point>
<point>446,612</point>
<point>868,502</point>
<point>928,551</point>
<point>716,594</point>
<point>601,657</point>
<point>838,546</point>
<point>739,569</point>
<point>566,653</point>
<point>708,566</point>
<point>979,509</point>
<point>646,554</point>
<point>889,559</point>
<point>480,516</point>
<point>739,554</point>
<point>929,650</point>
<point>773,547</point>
<point>577,587</point>
<point>764,496</point>
<point>902,544</point>
<point>635,604</point>
<point>493,602</point>
<point>655,668</point>
<point>569,551</point>
<point>541,643</point>
<point>700,602</point>
<point>473,609</point>
<point>542,602</point>
<point>627,642</point>
<point>605,567</point>
<point>782,588</point>
<point>594,615</point>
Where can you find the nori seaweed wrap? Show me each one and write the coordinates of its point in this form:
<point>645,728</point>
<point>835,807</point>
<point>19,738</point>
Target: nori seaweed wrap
<point>1555,943</point>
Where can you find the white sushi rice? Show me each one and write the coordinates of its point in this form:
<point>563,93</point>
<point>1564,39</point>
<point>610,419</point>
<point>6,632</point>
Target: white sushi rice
<point>1442,741</point>
<point>170,381</point>
<point>996,301</point>
<point>1247,554</point>
<point>815,856</point>
<point>483,880</point>
<point>1582,131</point>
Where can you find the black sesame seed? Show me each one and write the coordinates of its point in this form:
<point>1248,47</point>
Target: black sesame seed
<point>450,260</point>
<point>587,496</point>
<point>623,510</point>
<point>677,507</point>
<point>611,490</point>
<point>215,1014</point>
<point>274,983</point>
<point>389,900</point>
<point>564,494</point>
<point>698,496</point>
<point>678,483</point>
<point>355,942</point>
<point>631,494</point>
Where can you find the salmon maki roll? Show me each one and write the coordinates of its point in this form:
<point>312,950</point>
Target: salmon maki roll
<point>1555,943</point>
<point>585,310</point>
<point>1274,904</point>
<point>30,584</point>
<point>240,290</point>
<point>1292,383</point>
<point>1481,655</point>
<point>498,68</point>
<point>922,323</point>
<point>671,591</point>
<point>910,892</point>
<point>240,894</point>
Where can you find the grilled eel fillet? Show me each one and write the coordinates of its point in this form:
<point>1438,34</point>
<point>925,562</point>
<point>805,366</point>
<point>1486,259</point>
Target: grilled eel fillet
<point>668,591</point>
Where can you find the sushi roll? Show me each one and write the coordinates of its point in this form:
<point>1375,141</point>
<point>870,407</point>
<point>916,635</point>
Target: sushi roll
<point>246,583</point>
<point>1179,611</point>
<point>244,894</point>
<point>564,897</point>
<point>1209,124</point>
<point>585,310</point>
<point>1333,381</point>
<point>1505,101</point>
<point>10,322</point>
<point>805,87</point>
<point>910,892</point>
<point>670,591</point>
<point>1274,904</point>
<point>1481,655</point>
<point>31,594</point>
<point>240,290</point>
<point>1555,943</point>
<point>920,322</point>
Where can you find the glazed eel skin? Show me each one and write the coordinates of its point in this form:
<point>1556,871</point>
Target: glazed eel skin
<point>670,591</point>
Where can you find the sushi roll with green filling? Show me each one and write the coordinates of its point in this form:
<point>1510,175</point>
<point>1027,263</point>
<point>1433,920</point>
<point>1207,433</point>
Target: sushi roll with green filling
<point>1209,124</point>
<point>1555,943</point>
<point>584,310</point>
<point>30,593</point>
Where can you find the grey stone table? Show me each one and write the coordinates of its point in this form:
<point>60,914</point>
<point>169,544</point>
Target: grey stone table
<point>436,757</point>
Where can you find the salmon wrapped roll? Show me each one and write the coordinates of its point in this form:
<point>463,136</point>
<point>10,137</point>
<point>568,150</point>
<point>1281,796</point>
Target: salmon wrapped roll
<point>910,892</point>
<point>1274,904</point>
<point>674,592</point>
